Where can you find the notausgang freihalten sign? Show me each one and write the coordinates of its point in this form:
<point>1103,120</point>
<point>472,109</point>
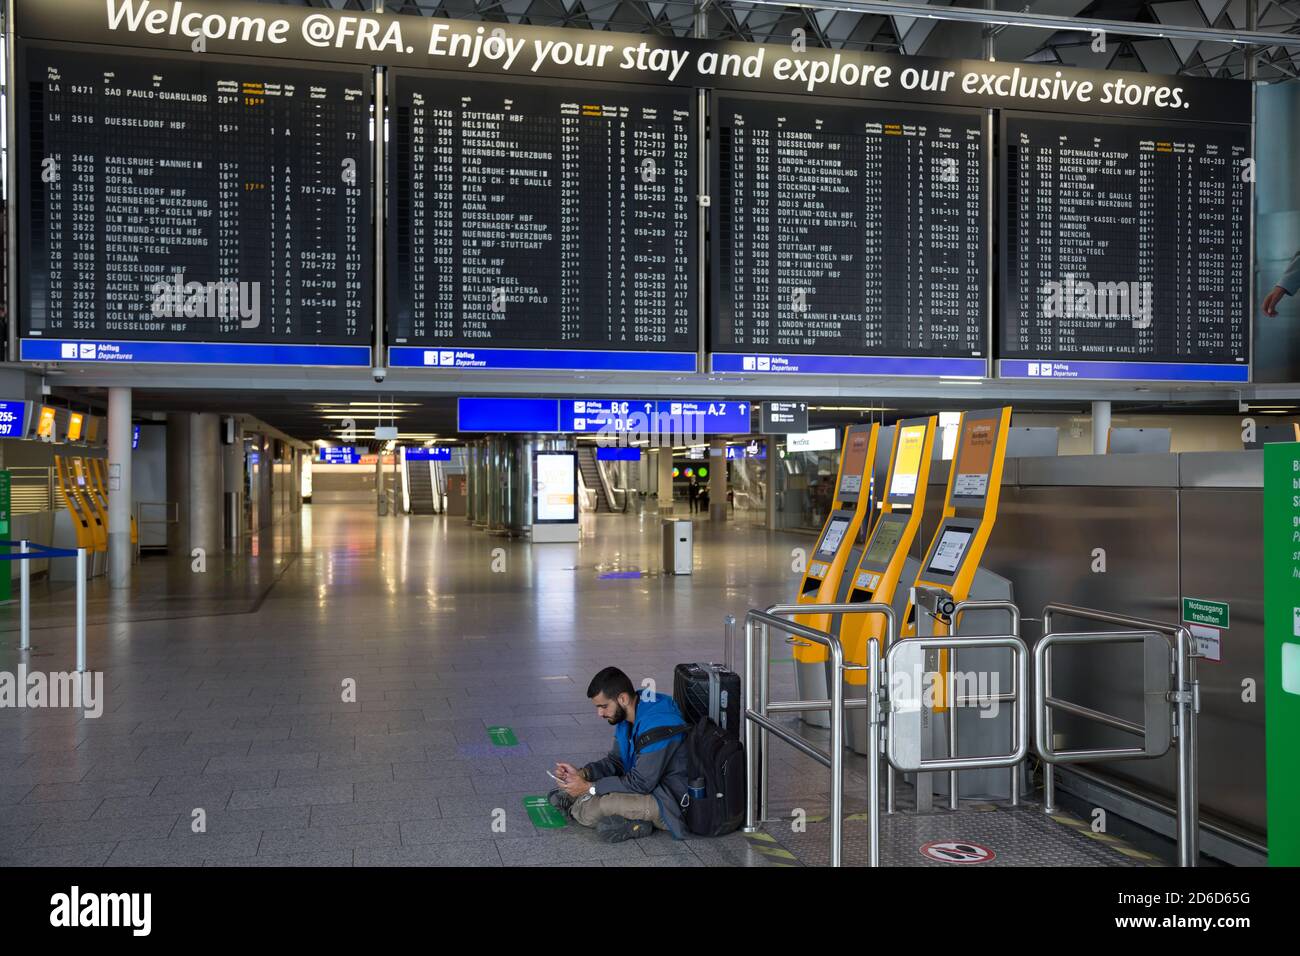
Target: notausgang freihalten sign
<point>491,49</point>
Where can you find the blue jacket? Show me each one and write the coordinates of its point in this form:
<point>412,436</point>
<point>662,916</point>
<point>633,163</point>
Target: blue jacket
<point>660,769</point>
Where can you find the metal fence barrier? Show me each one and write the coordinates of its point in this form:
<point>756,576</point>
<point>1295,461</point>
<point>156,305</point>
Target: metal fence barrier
<point>170,515</point>
<point>27,551</point>
<point>1179,704</point>
<point>758,626</point>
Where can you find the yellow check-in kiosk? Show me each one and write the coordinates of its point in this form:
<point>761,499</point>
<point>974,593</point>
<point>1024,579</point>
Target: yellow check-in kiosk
<point>78,524</point>
<point>878,572</point>
<point>952,565</point>
<point>831,556</point>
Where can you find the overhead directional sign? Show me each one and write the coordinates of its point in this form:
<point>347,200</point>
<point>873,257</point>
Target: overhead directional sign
<point>13,418</point>
<point>622,416</point>
<point>784,418</point>
<point>340,455</point>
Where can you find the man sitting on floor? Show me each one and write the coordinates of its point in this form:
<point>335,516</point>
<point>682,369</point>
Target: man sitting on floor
<point>641,783</point>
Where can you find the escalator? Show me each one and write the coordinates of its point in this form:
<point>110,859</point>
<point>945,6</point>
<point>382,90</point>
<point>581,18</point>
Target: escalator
<point>419,479</point>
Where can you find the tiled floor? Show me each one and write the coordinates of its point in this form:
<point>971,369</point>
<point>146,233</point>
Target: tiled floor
<point>224,694</point>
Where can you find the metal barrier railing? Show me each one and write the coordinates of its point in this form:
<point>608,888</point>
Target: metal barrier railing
<point>758,708</point>
<point>958,609</point>
<point>760,624</point>
<point>1181,702</point>
<point>171,515</point>
<point>27,552</point>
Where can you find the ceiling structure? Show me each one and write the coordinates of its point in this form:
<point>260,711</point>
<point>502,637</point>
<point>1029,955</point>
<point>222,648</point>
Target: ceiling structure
<point>311,417</point>
<point>769,22</point>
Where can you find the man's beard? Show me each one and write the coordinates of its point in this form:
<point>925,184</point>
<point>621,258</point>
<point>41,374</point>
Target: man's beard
<point>619,717</point>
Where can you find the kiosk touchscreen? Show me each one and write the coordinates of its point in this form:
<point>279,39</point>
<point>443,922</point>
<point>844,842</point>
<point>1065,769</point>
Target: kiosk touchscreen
<point>830,557</point>
<point>877,574</point>
<point>952,563</point>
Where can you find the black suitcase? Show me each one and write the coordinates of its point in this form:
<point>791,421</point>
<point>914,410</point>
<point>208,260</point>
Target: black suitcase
<point>709,690</point>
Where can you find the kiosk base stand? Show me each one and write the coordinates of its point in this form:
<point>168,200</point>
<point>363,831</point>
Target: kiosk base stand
<point>983,725</point>
<point>813,680</point>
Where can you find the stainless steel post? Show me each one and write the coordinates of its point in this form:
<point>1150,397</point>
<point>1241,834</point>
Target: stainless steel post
<point>765,649</point>
<point>837,753</point>
<point>25,598</point>
<point>952,726</point>
<point>1189,830</point>
<point>81,610</point>
<point>873,755</point>
<point>751,750</point>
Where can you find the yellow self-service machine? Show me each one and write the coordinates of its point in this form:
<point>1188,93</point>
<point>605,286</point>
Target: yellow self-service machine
<point>949,573</point>
<point>878,572</point>
<point>78,525</point>
<point>833,553</point>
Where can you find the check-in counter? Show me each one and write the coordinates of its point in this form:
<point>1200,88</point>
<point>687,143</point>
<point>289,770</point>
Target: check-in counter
<point>1164,528</point>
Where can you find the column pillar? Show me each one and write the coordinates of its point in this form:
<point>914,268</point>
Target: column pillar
<point>665,478</point>
<point>770,467</point>
<point>718,479</point>
<point>120,494</point>
<point>1100,427</point>
<point>233,499</point>
<point>194,482</point>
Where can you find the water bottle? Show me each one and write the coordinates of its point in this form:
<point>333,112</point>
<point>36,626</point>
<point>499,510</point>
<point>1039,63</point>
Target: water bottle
<point>696,788</point>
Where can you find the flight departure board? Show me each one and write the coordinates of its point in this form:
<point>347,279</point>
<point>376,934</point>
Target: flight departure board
<point>1125,242</point>
<point>852,230</point>
<point>194,199</point>
<point>537,216</point>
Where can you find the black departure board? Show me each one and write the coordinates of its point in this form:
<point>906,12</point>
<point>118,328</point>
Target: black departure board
<point>530,215</point>
<point>849,229</point>
<point>1125,241</point>
<point>194,198</point>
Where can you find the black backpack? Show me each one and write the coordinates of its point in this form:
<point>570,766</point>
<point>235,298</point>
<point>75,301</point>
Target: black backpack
<point>719,759</point>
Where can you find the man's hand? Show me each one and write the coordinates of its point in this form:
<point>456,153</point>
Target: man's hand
<point>566,770</point>
<point>575,785</point>
<point>1272,299</point>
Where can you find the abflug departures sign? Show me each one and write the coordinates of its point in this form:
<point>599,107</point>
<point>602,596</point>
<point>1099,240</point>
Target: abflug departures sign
<point>508,50</point>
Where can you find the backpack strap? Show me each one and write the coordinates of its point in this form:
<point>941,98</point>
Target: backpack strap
<point>655,734</point>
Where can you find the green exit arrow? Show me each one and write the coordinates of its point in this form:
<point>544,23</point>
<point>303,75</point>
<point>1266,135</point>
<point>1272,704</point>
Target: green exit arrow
<point>502,737</point>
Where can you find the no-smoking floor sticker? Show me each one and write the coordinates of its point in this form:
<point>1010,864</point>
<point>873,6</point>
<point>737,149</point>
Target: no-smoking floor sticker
<point>957,851</point>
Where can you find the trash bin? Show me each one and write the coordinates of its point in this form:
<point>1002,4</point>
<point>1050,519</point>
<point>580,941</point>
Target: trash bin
<point>679,546</point>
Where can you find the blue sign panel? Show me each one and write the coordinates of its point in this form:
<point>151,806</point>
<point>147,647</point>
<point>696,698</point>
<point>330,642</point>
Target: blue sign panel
<point>508,414</point>
<point>194,353</point>
<point>135,437</point>
<point>848,365</point>
<point>621,416</point>
<point>13,415</point>
<point>562,360</point>
<point>618,454</point>
<point>755,451</point>
<point>340,455</point>
<point>436,453</point>
<point>1123,371</point>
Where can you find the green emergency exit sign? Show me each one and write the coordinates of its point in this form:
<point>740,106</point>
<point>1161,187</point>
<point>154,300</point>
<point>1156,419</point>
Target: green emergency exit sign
<point>1209,613</point>
<point>1282,649</point>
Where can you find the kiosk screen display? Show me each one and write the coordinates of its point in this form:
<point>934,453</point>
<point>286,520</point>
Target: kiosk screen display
<point>855,458</point>
<point>951,547</point>
<point>557,492</point>
<point>884,542</point>
<point>835,532</point>
<point>907,462</point>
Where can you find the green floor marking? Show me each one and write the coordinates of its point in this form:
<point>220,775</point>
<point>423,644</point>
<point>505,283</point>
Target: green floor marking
<point>502,737</point>
<point>543,815</point>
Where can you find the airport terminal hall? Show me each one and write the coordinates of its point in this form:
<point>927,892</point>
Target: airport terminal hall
<point>746,435</point>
